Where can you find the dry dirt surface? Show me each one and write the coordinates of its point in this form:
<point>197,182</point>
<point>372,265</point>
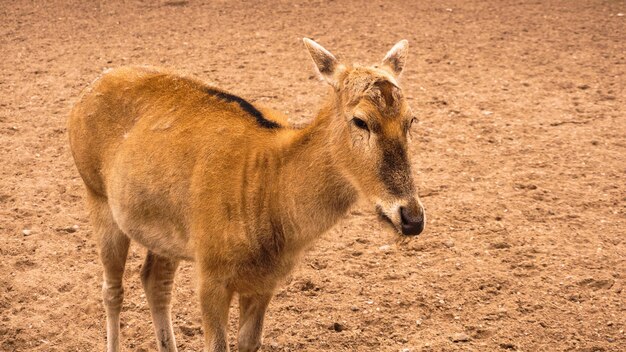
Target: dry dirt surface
<point>520,157</point>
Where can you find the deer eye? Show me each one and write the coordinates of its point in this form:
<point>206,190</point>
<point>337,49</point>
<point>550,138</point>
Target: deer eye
<point>360,123</point>
<point>413,120</point>
<point>410,124</point>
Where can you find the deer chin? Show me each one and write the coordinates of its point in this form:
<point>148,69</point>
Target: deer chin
<point>387,220</point>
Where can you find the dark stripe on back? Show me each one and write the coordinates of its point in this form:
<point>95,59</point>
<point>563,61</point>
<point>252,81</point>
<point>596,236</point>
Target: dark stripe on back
<point>247,107</point>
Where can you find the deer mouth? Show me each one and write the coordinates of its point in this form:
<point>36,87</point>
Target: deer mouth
<point>386,219</point>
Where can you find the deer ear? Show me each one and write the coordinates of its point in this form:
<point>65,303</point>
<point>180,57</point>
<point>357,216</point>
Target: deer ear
<point>396,57</point>
<point>327,65</point>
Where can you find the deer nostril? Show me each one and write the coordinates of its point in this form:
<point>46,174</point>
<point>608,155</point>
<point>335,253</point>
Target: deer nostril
<point>409,215</point>
<point>412,221</point>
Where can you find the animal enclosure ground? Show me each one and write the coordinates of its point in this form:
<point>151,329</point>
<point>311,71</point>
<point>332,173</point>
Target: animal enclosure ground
<point>520,157</point>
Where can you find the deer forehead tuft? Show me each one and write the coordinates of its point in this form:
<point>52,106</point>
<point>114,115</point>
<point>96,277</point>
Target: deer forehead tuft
<point>373,84</point>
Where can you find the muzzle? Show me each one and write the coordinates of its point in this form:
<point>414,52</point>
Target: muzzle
<point>408,219</point>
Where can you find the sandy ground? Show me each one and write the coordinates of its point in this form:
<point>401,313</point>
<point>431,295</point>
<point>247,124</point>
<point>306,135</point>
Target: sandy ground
<point>520,158</point>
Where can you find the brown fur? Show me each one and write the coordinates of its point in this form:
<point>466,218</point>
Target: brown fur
<point>191,175</point>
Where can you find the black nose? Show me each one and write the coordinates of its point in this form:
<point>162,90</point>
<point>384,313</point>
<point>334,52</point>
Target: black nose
<point>412,220</point>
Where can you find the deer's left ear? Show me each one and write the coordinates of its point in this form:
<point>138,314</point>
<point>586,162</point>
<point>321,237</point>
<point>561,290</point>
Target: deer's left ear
<point>396,57</point>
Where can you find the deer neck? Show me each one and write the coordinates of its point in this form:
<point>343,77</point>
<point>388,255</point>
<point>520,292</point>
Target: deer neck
<point>314,192</point>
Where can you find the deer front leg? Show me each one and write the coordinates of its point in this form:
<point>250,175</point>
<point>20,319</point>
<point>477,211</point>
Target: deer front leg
<point>214,303</point>
<point>251,313</point>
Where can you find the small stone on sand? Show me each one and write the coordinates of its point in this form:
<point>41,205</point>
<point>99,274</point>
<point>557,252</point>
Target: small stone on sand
<point>459,337</point>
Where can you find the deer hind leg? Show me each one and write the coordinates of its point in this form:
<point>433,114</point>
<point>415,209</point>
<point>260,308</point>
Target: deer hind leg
<point>113,249</point>
<point>251,313</point>
<point>157,277</point>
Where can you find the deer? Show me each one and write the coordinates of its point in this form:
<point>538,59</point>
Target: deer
<point>194,173</point>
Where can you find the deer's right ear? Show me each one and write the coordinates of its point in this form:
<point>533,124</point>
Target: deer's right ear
<point>396,57</point>
<point>327,65</point>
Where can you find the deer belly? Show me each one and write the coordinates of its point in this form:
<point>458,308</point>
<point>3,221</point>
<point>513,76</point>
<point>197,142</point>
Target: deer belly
<point>155,230</point>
